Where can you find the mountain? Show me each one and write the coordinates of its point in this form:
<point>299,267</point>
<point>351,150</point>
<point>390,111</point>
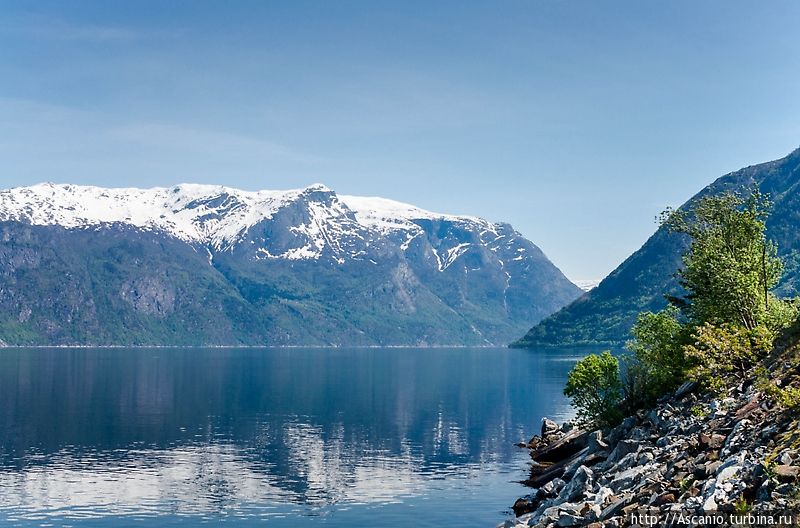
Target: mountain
<point>212,265</point>
<point>604,315</point>
<point>586,284</point>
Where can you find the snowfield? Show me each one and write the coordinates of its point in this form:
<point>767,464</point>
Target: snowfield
<point>220,217</point>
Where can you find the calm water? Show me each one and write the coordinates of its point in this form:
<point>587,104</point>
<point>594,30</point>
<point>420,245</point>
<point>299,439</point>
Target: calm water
<point>378,437</point>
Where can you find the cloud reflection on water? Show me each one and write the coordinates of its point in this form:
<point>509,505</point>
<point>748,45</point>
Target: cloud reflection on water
<point>93,433</point>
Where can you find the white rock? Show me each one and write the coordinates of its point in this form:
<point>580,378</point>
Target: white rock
<point>601,498</point>
<point>627,478</point>
<point>727,473</point>
<point>578,485</point>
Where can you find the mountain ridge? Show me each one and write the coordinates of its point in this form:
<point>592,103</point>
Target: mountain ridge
<point>604,315</point>
<point>148,207</point>
<point>298,267</point>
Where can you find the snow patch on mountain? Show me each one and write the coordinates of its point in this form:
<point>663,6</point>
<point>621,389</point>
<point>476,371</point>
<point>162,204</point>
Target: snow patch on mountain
<point>199,213</point>
<point>220,217</point>
<point>389,215</point>
<point>586,284</point>
<point>453,254</point>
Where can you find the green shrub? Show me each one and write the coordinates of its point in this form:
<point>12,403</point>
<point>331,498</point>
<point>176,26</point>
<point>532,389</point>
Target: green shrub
<point>742,506</point>
<point>720,351</point>
<point>699,411</point>
<point>781,314</point>
<point>786,397</point>
<point>686,484</point>
<point>595,388</point>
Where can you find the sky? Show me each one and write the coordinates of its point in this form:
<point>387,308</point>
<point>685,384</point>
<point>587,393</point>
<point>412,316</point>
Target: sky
<point>575,121</point>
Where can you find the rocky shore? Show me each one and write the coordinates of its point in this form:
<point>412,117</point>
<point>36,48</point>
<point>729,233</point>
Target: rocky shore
<point>693,459</point>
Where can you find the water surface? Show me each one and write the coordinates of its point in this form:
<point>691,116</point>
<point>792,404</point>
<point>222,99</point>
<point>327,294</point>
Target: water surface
<point>282,437</point>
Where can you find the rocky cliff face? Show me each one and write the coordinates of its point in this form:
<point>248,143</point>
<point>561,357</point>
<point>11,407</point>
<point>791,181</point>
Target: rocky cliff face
<point>195,265</point>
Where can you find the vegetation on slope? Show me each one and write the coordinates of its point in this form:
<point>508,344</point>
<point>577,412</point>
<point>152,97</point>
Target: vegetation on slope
<point>721,329</point>
<point>605,315</point>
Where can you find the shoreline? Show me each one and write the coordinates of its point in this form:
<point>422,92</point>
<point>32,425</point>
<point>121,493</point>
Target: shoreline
<point>692,458</point>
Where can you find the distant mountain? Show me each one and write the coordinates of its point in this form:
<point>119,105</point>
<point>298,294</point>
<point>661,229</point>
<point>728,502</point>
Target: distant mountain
<point>605,314</point>
<point>211,265</point>
<point>586,284</point>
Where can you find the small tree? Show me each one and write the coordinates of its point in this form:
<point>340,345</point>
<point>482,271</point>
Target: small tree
<point>596,390</point>
<point>659,364</point>
<point>730,266</point>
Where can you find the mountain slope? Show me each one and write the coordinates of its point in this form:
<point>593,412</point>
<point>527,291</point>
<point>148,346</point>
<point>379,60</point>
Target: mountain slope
<point>211,265</point>
<point>605,314</point>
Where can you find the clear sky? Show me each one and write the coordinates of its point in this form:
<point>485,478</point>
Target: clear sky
<point>575,121</point>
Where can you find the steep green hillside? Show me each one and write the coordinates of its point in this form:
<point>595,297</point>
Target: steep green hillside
<point>605,314</point>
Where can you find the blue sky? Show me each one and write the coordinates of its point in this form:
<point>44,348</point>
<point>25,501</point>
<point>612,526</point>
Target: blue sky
<point>577,122</point>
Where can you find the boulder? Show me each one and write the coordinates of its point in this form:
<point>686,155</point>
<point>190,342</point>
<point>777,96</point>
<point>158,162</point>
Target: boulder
<point>624,447</point>
<point>712,440</point>
<point>548,427</point>
<point>727,473</point>
<point>522,506</point>
<point>785,473</point>
<point>693,502</point>
<point>578,485</point>
<point>640,433</point>
<point>615,507</point>
<point>747,409</point>
<point>595,442</point>
<point>541,474</point>
<point>710,468</point>
<point>622,429</point>
<point>725,487</point>
<point>568,445</point>
<point>687,388</point>
<point>764,491</point>
<point>735,439</point>
<point>782,490</point>
<point>665,498</point>
<point>569,519</point>
<point>558,483</point>
<point>736,460</point>
<point>576,462</point>
<point>590,512</point>
<point>549,513</point>
<point>628,461</point>
<point>710,504</point>
<point>645,457</point>
<point>602,497</point>
<point>536,442</point>
<point>626,479</point>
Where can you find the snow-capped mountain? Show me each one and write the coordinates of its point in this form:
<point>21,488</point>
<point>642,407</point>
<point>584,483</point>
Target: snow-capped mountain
<point>587,284</point>
<point>221,217</point>
<point>302,266</point>
<point>207,214</point>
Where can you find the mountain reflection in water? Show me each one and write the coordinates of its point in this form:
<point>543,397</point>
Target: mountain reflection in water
<point>160,436</point>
